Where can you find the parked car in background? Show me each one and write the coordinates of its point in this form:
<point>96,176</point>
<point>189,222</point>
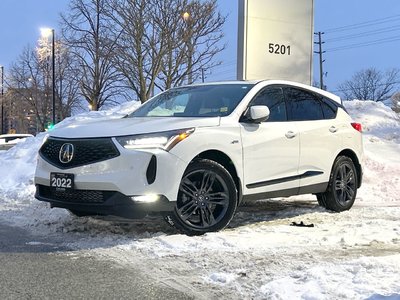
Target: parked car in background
<point>194,153</point>
<point>8,141</point>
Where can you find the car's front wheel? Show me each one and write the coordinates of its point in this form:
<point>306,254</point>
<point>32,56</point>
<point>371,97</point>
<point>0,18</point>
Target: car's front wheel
<point>207,199</point>
<point>342,188</point>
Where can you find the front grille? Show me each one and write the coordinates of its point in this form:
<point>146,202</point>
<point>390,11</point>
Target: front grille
<point>86,151</point>
<point>74,196</point>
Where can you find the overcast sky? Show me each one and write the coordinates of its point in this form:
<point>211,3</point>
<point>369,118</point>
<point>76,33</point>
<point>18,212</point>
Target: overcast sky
<point>347,50</point>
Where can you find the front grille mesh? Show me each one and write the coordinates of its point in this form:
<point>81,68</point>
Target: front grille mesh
<point>86,151</point>
<point>74,196</point>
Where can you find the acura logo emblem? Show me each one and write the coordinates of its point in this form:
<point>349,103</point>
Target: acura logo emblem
<point>66,153</point>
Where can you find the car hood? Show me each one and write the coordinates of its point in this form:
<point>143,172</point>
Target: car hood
<point>130,126</point>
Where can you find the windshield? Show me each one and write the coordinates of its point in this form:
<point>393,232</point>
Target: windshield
<point>195,101</point>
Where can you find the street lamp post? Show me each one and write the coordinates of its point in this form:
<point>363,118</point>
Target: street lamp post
<point>187,18</point>
<point>46,32</point>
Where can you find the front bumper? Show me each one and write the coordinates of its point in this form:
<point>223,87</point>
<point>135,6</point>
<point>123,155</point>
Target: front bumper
<point>107,187</point>
<point>102,202</point>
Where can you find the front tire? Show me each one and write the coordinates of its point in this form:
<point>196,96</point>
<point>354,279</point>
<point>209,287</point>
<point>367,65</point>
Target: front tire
<point>342,188</point>
<point>207,199</point>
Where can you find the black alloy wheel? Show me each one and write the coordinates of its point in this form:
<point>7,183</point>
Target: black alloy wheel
<point>345,184</point>
<point>207,198</point>
<point>342,189</point>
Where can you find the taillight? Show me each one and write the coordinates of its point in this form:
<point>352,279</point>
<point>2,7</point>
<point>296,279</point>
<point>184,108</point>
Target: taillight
<point>357,126</point>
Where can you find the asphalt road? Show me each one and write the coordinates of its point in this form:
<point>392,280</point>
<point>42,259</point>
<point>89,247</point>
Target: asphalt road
<point>43,268</point>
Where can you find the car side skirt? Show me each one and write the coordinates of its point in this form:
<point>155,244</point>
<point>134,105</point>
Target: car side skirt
<point>282,180</point>
<point>309,189</point>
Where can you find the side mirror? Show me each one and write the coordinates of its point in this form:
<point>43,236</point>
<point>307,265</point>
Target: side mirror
<point>257,113</point>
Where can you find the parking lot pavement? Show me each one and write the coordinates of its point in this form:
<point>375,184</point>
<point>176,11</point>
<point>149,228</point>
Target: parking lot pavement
<point>40,268</point>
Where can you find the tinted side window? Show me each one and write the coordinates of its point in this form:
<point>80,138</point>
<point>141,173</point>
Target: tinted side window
<point>273,98</point>
<point>328,108</point>
<point>303,106</point>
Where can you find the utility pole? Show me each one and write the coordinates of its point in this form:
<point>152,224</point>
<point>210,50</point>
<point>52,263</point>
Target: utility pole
<point>202,75</point>
<point>321,60</point>
<point>2,100</point>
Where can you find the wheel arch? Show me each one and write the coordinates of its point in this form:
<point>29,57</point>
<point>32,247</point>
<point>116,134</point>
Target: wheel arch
<point>224,160</point>
<point>353,156</point>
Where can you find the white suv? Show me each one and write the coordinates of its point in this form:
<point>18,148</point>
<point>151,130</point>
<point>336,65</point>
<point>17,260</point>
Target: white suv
<point>194,153</point>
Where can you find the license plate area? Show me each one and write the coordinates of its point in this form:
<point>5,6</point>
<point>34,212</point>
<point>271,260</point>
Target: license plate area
<point>62,181</point>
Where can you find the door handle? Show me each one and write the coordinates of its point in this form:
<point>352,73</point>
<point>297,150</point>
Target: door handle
<point>333,129</point>
<point>290,134</point>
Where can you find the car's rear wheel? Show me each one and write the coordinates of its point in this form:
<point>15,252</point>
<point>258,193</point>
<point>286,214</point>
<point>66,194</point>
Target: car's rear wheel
<point>207,199</point>
<point>342,188</point>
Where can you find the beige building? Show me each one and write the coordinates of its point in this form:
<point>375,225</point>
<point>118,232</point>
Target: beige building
<point>19,115</point>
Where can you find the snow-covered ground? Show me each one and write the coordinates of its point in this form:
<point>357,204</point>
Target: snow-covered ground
<point>351,255</point>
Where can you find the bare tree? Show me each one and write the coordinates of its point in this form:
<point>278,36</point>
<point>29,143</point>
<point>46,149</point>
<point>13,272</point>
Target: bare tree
<point>139,48</point>
<point>67,83</point>
<point>29,79</point>
<point>87,31</point>
<point>193,42</point>
<point>164,42</point>
<point>30,82</point>
<point>371,84</point>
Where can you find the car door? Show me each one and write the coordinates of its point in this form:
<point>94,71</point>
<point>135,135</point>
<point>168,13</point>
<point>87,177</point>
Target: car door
<point>271,148</point>
<point>319,136</point>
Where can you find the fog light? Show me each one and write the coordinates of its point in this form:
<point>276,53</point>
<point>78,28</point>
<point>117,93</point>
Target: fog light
<point>146,198</point>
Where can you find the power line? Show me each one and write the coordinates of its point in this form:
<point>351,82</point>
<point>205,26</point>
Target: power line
<point>224,65</point>
<point>365,33</point>
<point>363,24</point>
<point>365,44</point>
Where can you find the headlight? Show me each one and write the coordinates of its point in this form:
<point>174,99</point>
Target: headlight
<point>164,140</point>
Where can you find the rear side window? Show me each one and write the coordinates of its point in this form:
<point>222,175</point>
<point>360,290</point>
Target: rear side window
<point>303,106</point>
<point>328,108</point>
<point>274,99</point>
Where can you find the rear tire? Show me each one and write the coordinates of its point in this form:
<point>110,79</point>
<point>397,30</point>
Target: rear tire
<point>207,199</point>
<point>342,188</point>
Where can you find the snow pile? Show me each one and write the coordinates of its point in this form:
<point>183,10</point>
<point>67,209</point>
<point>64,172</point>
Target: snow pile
<point>378,120</point>
<point>351,255</point>
<point>17,167</point>
<point>381,135</point>
<point>321,282</point>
